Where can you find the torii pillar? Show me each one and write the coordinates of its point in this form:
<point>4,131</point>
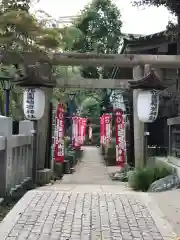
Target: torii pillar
<point>138,73</point>
<point>144,79</point>
<point>40,76</point>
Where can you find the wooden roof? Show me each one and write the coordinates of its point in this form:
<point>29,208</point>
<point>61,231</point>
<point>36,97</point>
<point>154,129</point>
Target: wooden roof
<point>132,41</point>
<point>151,81</point>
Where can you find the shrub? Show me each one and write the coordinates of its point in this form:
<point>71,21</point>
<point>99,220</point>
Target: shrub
<point>141,179</point>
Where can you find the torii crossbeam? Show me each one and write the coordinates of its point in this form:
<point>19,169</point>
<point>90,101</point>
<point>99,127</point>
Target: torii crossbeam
<point>93,83</point>
<point>120,60</point>
<point>93,59</point>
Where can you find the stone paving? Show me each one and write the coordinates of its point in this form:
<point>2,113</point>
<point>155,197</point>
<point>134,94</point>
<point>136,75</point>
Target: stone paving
<point>91,170</point>
<point>89,211</point>
<point>168,202</point>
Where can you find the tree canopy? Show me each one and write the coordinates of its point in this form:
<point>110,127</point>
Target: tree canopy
<point>26,31</point>
<point>21,30</point>
<point>90,108</point>
<point>172,5</point>
<point>101,25</point>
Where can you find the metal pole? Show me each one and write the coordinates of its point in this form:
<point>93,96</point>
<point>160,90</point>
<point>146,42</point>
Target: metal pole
<point>34,166</point>
<point>7,95</point>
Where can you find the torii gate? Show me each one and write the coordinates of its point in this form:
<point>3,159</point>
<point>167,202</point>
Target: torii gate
<point>140,63</point>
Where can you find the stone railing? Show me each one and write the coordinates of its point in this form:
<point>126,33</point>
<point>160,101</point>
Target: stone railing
<point>15,155</point>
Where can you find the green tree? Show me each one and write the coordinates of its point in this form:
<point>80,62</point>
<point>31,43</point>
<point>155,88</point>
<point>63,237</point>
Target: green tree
<point>22,31</point>
<point>101,25</point>
<point>90,108</point>
<point>172,5</point>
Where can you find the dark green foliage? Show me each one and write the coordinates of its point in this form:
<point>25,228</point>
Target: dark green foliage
<point>101,26</point>
<point>90,107</point>
<point>141,179</point>
<point>23,5</point>
<point>105,102</point>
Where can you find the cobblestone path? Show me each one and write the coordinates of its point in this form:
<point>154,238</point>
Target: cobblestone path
<point>85,212</point>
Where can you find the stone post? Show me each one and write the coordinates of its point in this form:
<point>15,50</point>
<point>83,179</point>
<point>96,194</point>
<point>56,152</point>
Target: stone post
<point>138,73</point>
<point>160,73</point>
<point>43,174</point>
<point>42,132</point>
<point>6,155</point>
<point>26,127</point>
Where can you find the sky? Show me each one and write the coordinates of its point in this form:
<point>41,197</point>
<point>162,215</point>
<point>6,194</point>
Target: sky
<point>135,21</point>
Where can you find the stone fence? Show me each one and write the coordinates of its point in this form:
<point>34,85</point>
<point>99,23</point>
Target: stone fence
<point>15,155</point>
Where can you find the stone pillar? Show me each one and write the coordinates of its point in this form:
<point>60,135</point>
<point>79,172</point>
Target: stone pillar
<point>42,133</point>
<point>147,69</point>
<point>26,127</point>
<point>43,175</point>
<point>6,155</point>
<point>138,73</point>
<point>159,73</point>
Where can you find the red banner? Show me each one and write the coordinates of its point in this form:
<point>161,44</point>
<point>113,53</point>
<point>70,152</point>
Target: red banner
<point>120,138</point>
<point>59,135</point>
<point>79,137</point>
<point>107,127</point>
<point>74,131</point>
<point>83,129</point>
<point>102,129</point>
<point>80,133</point>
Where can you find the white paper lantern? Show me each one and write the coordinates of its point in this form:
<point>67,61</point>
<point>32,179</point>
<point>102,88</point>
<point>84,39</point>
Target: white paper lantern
<point>33,103</point>
<point>147,105</point>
